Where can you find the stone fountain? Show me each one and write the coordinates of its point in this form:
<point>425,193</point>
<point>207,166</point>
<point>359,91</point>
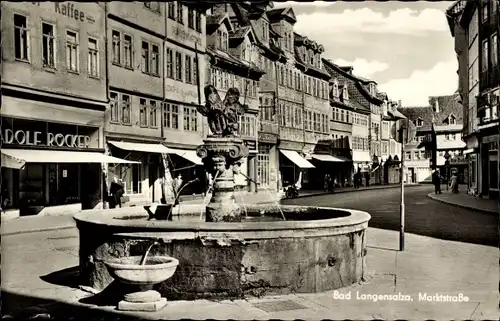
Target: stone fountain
<point>274,250</point>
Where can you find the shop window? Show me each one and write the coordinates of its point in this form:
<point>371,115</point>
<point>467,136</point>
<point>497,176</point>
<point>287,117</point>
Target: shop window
<point>48,46</point>
<point>31,185</point>
<point>72,51</point>
<point>93,58</point>
<point>131,176</point>
<point>21,35</point>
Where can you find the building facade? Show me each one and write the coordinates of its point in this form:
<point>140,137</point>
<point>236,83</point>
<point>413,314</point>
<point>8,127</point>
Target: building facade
<point>53,106</point>
<point>475,26</point>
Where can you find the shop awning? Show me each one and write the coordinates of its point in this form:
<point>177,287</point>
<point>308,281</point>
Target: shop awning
<point>11,162</point>
<point>60,156</point>
<point>142,147</point>
<point>329,158</point>
<point>361,156</point>
<point>190,155</point>
<point>296,158</point>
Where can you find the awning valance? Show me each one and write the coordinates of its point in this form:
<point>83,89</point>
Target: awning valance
<point>361,156</point>
<point>190,155</point>
<point>142,147</point>
<point>329,158</point>
<point>469,151</point>
<point>298,160</point>
<point>11,162</point>
<point>62,156</point>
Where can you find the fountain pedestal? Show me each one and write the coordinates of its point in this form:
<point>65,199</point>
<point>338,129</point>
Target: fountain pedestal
<point>222,157</point>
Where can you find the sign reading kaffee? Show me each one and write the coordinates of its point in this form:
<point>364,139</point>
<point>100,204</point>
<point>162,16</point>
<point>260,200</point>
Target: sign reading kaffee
<point>36,138</point>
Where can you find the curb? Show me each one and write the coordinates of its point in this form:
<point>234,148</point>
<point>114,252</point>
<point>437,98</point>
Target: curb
<point>434,198</point>
<point>36,230</point>
<point>354,190</point>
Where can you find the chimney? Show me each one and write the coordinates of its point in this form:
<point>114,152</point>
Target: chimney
<point>436,108</point>
<point>400,104</point>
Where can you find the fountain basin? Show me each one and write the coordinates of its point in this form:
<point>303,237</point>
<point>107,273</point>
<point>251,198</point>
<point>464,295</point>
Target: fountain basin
<point>316,249</point>
<point>155,270</point>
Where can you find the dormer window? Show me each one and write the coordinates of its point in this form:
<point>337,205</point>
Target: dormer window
<point>345,93</point>
<point>222,40</point>
<point>312,59</point>
<point>419,122</point>
<point>335,88</point>
<point>452,120</point>
<point>265,30</point>
<point>372,89</point>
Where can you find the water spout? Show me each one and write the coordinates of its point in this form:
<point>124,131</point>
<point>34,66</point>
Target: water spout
<point>178,194</point>
<point>270,194</point>
<point>144,257</point>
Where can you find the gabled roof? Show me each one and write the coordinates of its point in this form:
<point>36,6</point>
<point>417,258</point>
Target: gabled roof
<point>448,104</point>
<point>213,22</point>
<point>320,72</point>
<point>425,113</point>
<point>277,14</point>
<point>239,34</point>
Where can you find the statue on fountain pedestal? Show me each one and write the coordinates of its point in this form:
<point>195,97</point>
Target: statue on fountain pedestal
<point>222,152</point>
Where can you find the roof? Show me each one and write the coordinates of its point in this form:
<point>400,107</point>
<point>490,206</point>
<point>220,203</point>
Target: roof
<point>447,105</point>
<point>239,33</point>
<point>424,113</point>
<point>287,12</point>
<point>214,52</point>
<point>309,66</point>
<point>214,21</point>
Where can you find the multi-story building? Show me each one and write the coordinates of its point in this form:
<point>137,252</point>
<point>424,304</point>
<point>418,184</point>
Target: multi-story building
<point>267,53</point>
<point>232,55</point>
<point>54,98</point>
<point>443,120</point>
<point>152,116</point>
<point>475,26</point>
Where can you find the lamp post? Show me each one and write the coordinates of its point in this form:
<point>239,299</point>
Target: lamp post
<point>447,157</point>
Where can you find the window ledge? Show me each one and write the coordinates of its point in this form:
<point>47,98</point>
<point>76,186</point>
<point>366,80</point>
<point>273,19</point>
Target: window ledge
<point>52,70</point>
<point>26,61</point>
<point>73,72</point>
<point>94,77</point>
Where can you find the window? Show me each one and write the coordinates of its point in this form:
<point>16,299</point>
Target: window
<point>145,57</point>
<point>419,122</point>
<point>494,50</point>
<point>452,120</point>
<point>265,31</point>
<point>48,49</point>
<point>170,62</point>
<point>494,6</point>
<point>345,93</point>
<point>125,109</point>
<point>93,59</point>
<point>416,155</point>
<point>155,60</point>
<point>385,147</point>
<point>188,72</point>
<point>131,176</point>
<point>143,113</point>
<point>447,137</point>
<point>190,18</point>
<point>453,136</point>
<point>407,155</point>
<point>195,71</point>
<point>484,12</point>
<point>72,52</point>
<point>484,56</point>
<point>171,10</point>
<point>128,51</point>
<point>21,34</point>
<point>114,107</point>
<point>197,21</point>
<point>180,14</point>
<point>190,119</point>
<point>152,5</point>
<point>171,116</point>
<point>115,52</point>
<point>178,66</point>
<point>153,109</point>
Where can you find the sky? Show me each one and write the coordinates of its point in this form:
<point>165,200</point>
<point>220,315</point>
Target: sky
<point>406,47</point>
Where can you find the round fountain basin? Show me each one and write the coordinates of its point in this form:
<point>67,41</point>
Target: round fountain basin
<point>129,270</point>
<point>316,249</point>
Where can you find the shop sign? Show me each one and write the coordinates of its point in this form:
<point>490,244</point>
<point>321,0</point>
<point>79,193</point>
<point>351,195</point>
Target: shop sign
<point>36,138</point>
<point>458,160</point>
<point>68,9</point>
<point>252,145</point>
<point>267,138</point>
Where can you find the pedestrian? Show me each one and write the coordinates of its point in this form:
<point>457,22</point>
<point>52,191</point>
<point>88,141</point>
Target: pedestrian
<point>117,190</point>
<point>326,182</point>
<point>454,182</point>
<point>436,180</point>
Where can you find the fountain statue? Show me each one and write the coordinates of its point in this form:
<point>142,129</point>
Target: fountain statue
<point>222,152</point>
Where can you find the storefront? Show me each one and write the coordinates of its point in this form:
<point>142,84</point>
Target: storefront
<point>156,163</point>
<point>267,177</point>
<point>294,167</point>
<point>489,155</point>
<point>61,169</point>
<point>361,163</point>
